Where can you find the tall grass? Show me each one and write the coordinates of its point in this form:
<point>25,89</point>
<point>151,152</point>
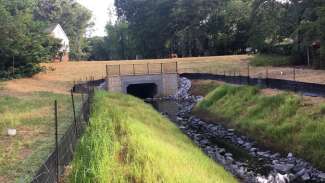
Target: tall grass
<point>281,121</point>
<point>128,141</point>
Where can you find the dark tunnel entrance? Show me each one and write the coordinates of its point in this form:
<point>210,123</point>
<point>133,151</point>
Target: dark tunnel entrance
<point>145,90</point>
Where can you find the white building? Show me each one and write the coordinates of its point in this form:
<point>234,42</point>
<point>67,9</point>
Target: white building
<point>57,32</point>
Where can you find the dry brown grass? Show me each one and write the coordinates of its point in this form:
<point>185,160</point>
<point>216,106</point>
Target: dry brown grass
<point>59,77</point>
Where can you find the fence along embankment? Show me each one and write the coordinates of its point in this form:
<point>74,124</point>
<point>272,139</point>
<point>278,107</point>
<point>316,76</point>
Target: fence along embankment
<point>54,166</point>
<point>313,89</point>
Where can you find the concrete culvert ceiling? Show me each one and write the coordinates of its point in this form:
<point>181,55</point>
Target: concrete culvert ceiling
<point>145,90</point>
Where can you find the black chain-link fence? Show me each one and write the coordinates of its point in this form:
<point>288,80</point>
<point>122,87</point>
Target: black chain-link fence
<point>313,89</point>
<point>54,166</point>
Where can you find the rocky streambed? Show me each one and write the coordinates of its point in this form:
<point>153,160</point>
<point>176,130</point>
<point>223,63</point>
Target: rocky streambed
<point>237,153</point>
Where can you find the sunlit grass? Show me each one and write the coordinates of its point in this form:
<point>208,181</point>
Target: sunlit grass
<point>281,121</point>
<point>128,141</point>
<point>33,117</point>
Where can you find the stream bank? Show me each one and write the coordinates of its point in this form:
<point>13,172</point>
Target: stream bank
<point>237,153</point>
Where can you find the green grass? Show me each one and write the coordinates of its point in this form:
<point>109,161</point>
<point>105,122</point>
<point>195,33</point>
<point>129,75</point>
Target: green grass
<point>281,122</point>
<point>32,115</point>
<point>271,60</point>
<point>203,87</point>
<point>128,141</point>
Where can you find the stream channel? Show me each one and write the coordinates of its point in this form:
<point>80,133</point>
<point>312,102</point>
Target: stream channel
<point>238,154</point>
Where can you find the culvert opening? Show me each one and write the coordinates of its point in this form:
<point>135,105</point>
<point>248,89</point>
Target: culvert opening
<point>145,90</point>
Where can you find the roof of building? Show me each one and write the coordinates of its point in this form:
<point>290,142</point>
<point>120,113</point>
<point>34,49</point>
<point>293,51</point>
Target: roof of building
<point>51,28</point>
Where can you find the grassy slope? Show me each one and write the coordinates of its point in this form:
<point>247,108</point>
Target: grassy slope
<point>281,121</point>
<point>271,60</point>
<point>32,116</point>
<point>27,102</point>
<point>128,141</point>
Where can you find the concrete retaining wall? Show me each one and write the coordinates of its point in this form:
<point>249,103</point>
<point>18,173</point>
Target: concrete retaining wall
<point>167,84</point>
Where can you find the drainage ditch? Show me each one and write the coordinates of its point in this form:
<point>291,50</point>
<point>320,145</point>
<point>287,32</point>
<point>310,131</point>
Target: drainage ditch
<point>238,154</point>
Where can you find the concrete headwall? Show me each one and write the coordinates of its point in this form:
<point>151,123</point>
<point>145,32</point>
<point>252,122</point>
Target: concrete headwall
<point>167,84</point>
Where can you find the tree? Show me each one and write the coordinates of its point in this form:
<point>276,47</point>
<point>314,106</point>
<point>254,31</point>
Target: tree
<point>149,23</point>
<point>117,45</point>
<point>23,45</point>
<point>97,49</point>
<point>266,29</point>
<point>73,17</point>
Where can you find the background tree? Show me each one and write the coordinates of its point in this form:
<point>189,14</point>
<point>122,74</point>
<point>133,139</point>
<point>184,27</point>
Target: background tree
<point>74,19</point>
<point>23,44</point>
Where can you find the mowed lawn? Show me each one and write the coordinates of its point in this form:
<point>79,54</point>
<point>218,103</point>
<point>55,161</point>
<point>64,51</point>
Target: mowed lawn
<point>125,143</point>
<point>33,117</point>
<point>27,105</point>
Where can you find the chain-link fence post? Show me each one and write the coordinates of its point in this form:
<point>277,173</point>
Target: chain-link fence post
<point>56,139</point>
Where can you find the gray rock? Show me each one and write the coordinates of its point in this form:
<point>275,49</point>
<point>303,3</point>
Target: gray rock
<point>253,149</point>
<point>247,145</point>
<point>301,172</point>
<point>228,154</point>
<point>260,153</point>
<point>276,155</point>
<point>229,159</point>
<point>305,177</point>
<point>283,168</point>
<point>221,150</point>
<point>321,175</point>
<point>240,142</point>
<point>279,178</point>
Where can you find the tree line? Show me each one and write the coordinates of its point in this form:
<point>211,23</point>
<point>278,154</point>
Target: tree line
<point>158,28</point>
<point>23,41</point>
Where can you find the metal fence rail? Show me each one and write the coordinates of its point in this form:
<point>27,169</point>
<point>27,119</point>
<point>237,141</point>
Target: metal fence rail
<point>142,69</point>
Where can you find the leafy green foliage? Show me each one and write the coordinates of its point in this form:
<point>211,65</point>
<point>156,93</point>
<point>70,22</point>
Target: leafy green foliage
<point>280,121</point>
<point>186,27</point>
<point>136,144</point>
<point>117,45</point>
<point>23,45</point>
<point>74,19</point>
<point>23,42</point>
<point>198,27</point>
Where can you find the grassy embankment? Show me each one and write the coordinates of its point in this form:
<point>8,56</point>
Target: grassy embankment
<point>27,104</point>
<point>281,121</point>
<point>128,141</point>
<point>271,60</point>
<point>32,115</point>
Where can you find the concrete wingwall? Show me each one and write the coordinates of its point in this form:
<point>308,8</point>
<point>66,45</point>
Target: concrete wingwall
<point>167,84</point>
